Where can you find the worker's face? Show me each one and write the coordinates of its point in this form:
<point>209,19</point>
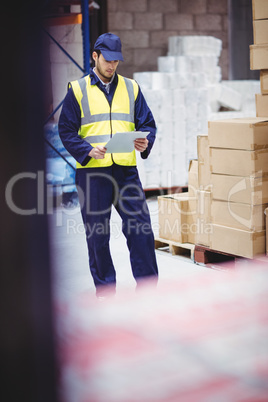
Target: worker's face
<point>105,69</point>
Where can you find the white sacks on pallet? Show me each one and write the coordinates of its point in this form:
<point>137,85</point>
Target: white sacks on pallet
<point>194,45</point>
<point>173,64</point>
<point>183,95</point>
<point>227,97</point>
<point>247,89</point>
<point>205,68</point>
<point>152,80</point>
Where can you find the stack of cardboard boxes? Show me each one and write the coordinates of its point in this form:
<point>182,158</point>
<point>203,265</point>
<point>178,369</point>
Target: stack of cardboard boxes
<point>203,193</point>
<point>259,53</point>
<point>178,212</point>
<point>227,191</point>
<point>185,217</point>
<point>239,165</point>
<point>259,50</point>
<point>224,208</point>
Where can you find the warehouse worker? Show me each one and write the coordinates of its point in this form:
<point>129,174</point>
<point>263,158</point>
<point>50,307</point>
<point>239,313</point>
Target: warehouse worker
<point>95,108</point>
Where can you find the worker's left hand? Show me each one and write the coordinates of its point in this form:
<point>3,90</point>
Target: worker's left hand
<point>141,144</point>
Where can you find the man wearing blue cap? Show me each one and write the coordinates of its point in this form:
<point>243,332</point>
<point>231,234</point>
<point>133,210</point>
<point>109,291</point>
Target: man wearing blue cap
<point>95,108</point>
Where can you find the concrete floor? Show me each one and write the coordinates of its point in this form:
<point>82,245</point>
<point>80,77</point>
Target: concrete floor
<point>193,333</point>
<point>71,274</point>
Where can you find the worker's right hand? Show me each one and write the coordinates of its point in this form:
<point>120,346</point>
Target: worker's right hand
<point>98,152</point>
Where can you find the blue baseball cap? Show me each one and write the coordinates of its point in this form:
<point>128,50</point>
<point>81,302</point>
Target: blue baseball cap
<point>110,46</point>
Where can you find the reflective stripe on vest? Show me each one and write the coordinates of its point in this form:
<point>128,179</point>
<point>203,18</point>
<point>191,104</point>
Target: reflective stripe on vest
<point>99,120</point>
<point>89,118</point>
<point>98,138</point>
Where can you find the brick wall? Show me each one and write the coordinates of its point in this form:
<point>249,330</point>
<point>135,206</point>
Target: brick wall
<point>145,25</point>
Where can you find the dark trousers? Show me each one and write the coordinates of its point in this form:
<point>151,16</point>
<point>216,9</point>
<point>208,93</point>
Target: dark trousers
<point>98,190</point>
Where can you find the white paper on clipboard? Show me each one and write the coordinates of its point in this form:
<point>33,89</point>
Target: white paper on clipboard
<point>124,142</point>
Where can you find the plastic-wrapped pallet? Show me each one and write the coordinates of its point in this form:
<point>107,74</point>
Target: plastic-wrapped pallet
<point>178,97</point>
<point>153,99</point>
<point>179,80</point>
<point>215,75</point>
<point>173,64</point>
<point>231,115</point>
<point>166,110</point>
<point>151,167</point>
<point>163,80</point>
<point>144,79</point>
<point>152,80</point>
<point>228,97</point>
<point>206,66</point>
<point>180,174</point>
<point>167,64</point>
<point>194,45</point>
<point>178,100</point>
<point>247,89</point>
<point>203,63</point>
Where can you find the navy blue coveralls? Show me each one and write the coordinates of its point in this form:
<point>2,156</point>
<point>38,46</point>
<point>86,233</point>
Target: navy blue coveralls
<point>100,188</point>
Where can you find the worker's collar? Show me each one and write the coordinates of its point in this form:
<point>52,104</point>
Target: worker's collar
<point>94,78</point>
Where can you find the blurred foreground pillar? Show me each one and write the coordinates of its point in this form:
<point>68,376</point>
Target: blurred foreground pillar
<point>28,369</point>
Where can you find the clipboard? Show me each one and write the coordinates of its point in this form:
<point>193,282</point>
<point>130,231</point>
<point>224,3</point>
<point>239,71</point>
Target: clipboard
<point>124,142</point>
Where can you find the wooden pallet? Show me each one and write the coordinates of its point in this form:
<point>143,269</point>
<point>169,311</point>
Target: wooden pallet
<point>201,254</point>
<point>205,255</point>
<point>150,192</point>
<point>175,248</point>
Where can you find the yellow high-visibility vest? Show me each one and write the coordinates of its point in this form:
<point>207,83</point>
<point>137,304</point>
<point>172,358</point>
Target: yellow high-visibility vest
<point>99,121</point>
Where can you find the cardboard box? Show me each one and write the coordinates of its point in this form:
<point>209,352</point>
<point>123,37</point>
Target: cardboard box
<point>238,162</point>
<point>264,81</point>
<point>203,223</point>
<point>203,162</point>
<point>258,57</point>
<point>259,9</point>
<point>172,215</point>
<point>260,32</point>
<point>191,220</point>
<point>203,233</point>
<point>204,199</point>
<point>241,133</point>
<point>238,242</point>
<point>238,215</point>
<point>261,105</point>
<point>193,178</point>
<point>247,190</point>
<point>266,227</point>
